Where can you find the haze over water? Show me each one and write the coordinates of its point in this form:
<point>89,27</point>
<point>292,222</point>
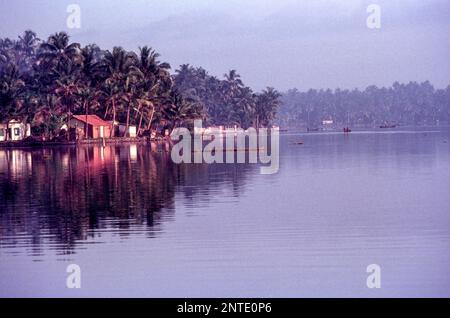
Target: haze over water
<point>139,225</point>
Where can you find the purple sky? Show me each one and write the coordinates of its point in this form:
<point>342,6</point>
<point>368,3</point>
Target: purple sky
<point>283,43</point>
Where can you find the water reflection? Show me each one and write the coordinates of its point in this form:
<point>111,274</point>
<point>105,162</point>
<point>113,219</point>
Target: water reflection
<point>141,226</point>
<point>67,195</point>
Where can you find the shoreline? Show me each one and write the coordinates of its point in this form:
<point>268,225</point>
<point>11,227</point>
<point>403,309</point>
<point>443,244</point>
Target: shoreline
<point>43,144</point>
<point>23,144</point>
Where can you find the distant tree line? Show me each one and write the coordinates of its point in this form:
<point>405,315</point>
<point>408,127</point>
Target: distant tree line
<point>46,82</point>
<point>404,104</point>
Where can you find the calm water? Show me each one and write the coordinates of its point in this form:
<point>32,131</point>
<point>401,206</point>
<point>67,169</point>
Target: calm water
<point>139,225</point>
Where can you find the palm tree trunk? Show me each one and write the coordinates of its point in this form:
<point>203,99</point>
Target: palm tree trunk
<point>86,127</point>
<point>106,112</point>
<point>68,122</point>
<point>111,133</point>
<point>151,119</point>
<point>257,123</point>
<point>7,130</point>
<point>125,134</point>
<point>140,125</point>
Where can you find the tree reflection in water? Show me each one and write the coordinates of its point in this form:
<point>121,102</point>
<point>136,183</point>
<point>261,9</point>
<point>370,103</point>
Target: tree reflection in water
<point>70,194</point>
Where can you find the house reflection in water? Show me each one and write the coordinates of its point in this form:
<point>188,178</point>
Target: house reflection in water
<point>16,162</point>
<point>95,158</point>
<point>133,152</point>
<point>67,195</point>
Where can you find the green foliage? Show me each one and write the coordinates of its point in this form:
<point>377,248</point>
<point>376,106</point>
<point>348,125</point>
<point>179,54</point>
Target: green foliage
<point>404,104</point>
<point>46,82</point>
<point>227,101</point>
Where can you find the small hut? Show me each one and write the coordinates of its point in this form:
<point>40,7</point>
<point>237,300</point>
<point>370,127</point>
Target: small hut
<point>15,130</point>
<point>96,127</point>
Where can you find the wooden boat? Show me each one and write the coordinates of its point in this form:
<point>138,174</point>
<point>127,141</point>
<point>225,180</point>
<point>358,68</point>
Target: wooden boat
<point>347,129</point>
<point>387,126</point>
<point>313,129</point>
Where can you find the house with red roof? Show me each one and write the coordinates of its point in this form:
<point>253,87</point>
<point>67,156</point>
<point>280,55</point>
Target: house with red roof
<point>96,127</point>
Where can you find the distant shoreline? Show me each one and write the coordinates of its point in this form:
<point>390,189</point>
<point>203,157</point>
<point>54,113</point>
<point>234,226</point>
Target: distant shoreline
<point>24,144</point>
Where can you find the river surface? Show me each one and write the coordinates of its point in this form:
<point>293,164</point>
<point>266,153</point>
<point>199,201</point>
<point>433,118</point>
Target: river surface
<point>139,225</point>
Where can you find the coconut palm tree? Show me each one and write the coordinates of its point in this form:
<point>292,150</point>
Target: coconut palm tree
<point>91,67</point>
<point>47,115</point>
<point>58,50</point>
<point>150,66</point>
<point>110,94</point>
<point>117,62</point>
<point>234,79</point>
<point>29,42</point>
<point>152,80</point>
<point>115,67</point>
<point>267,103</point>
<point>179,111</point>
<point>12,88</point>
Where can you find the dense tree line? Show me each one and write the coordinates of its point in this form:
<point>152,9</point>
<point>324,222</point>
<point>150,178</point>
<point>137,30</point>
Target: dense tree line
<point>227,101</point>
<point>46,82</point>
<point>404,104</point>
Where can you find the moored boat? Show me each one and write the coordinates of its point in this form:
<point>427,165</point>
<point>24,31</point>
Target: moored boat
<point>387,126</point>
<point>313,129</point>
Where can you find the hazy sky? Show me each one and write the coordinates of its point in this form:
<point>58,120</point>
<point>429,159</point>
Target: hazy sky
<point>280,43</point>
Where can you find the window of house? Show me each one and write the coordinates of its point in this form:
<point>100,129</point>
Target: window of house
<point>16,131</point>
<point>2,133</point>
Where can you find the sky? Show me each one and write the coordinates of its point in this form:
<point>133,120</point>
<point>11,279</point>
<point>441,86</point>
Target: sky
<point>279,43</point>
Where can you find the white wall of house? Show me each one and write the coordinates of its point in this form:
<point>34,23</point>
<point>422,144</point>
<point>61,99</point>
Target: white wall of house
<point>132,130</point>
<point>2,132</point>
<point>18,131</point>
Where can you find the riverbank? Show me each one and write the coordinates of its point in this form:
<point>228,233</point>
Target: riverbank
<point>40,143</point>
